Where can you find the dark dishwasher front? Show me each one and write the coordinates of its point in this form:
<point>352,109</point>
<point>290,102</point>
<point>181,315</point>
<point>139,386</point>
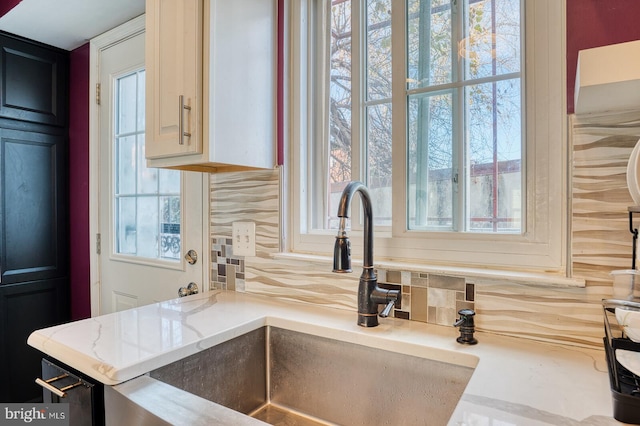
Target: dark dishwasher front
<point>84,396</point>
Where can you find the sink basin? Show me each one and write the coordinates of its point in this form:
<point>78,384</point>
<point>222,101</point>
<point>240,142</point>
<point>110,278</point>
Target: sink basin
<point>285,377</point>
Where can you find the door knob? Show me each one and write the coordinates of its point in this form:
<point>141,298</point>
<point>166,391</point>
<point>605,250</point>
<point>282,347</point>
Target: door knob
<point>191,257</point>
<point>192,288</point>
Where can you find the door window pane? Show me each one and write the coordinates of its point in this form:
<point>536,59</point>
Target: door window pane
<point>147,230</point>
<point>170,226</point>
<point>126,225</point>
<point>146,200</point>
<point>147,177</point>
<point>127,164</point>
<point>169,184</point>
<point>126,104</point>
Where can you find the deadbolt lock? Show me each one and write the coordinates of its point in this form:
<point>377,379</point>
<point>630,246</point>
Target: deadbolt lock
<point>191,257</point>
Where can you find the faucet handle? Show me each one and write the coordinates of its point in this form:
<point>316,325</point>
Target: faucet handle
<point>387,309</point>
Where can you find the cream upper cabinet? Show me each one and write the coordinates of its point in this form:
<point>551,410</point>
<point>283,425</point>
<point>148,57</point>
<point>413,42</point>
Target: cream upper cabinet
<point>173,56</point>
<point>210,89</point>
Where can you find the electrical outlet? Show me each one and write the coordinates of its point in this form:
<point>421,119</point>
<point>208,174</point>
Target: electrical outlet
<point>244,238</point>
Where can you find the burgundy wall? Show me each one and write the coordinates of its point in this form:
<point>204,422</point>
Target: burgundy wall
<point>79,182</point>
<point>7,5</point>
<point>594,23</point>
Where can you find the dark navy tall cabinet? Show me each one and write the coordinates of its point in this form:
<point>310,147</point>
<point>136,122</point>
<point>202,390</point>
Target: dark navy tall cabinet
<point>34,254</point>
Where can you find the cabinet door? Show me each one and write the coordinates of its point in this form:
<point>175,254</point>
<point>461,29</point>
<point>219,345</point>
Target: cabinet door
<point>33,82</point>
<point>25,307</point>
<point>33,206</point>
<point>85,398</point>
<point>174,73</point>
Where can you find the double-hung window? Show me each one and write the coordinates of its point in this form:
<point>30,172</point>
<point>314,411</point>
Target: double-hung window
<point>450,111</point>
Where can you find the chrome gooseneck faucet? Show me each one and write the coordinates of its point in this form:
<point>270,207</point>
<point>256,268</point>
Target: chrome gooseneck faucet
<point>369,294</point>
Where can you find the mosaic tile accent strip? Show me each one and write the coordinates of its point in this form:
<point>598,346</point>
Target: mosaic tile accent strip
<point>440,296</point>
<point>227,271</point>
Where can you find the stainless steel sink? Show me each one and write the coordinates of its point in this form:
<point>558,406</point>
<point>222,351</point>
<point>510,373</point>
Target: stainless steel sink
<point>284,377</point>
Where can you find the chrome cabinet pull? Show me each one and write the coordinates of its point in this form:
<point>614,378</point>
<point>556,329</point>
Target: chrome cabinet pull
<point>60,392</point>
<point>181,131</point>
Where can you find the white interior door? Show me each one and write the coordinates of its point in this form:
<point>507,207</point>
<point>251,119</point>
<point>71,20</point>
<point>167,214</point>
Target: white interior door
<point>147,219</point>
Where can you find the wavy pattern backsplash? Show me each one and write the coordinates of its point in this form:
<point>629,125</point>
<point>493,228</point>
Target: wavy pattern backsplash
<point>600,242</point>
<point>601,238</point>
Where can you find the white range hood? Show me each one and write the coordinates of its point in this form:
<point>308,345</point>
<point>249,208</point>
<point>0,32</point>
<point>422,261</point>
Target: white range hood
<point>608,78</point>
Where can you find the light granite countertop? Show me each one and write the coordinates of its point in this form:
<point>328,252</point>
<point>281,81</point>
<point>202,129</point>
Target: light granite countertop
<point>516,381</point>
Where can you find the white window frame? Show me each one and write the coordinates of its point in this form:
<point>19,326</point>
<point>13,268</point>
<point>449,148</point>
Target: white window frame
<point>543,245</point>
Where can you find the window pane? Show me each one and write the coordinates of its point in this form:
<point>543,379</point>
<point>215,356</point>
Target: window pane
<point>147,177</point>
<point>170,227</point>
<point>169,181</point>
<point>378,49</point>
<point>379,161</point>
<point>126,225</point>
<point>147,222</point>
<point>126,165</point>
<point>430,159</point>
<point>127,93</point>
<point>141,101</point>
<point>339,107</point>
<point>492,42</point>
<point>494,151</point>
<point>429,46</point>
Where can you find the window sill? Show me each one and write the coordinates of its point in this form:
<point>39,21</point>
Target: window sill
<point>516,277</point>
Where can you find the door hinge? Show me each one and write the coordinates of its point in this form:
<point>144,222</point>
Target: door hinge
<point>98,93</point>
<point>98,244</point>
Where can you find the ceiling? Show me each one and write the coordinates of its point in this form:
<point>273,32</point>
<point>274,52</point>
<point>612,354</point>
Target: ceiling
<point>68,24</point>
